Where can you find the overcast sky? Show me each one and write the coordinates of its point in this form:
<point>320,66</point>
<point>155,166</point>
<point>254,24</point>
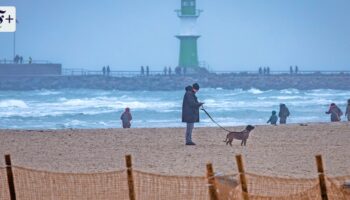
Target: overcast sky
<point>235,35</point>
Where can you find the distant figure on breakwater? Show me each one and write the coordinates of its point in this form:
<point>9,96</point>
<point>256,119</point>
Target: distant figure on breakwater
<point>296,69</point>
<point>16,59</point>
<point>273,118</point>
<point>108,70</point>
<point>347,113</point>
<point>104,70</point>
<point>291,69</point>
<point>165,71</point>
<point>177,70</point>
<point>142,71</point>
<point>267,70</point>
<point>30,60</point>
<point>260,70</point>
<point>169,71</point>
<point>335,112</point>
<point>21,59</point>
<point>147,70</point>
<point>283,113</point>
<point>126,118</point>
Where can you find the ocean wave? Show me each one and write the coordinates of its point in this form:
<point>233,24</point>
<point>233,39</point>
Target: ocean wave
<point>96,108</point>
<point>48,92</point>
<point>255,91</point>
<point>13,103</point>
<point>290,91</point>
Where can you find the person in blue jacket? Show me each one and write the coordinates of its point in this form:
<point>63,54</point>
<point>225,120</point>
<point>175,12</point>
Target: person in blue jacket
<point>273,119</point>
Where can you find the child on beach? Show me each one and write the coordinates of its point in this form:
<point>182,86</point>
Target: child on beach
<point>347,113</point>
<point>335,112</point>
<point>126,118</point>
<point>273,118</point>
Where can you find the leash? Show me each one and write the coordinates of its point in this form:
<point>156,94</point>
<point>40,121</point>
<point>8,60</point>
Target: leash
<point>202,108</point>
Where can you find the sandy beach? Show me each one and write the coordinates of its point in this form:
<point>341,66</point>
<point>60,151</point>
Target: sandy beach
<point>284,150</point>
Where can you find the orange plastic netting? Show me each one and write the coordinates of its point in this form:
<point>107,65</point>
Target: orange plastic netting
<point>43,185</point>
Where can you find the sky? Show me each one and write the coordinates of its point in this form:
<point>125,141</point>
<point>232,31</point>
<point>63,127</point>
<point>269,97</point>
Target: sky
<point>235,35</point>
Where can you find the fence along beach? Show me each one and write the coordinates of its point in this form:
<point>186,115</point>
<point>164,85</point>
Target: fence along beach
<point>286,151</point>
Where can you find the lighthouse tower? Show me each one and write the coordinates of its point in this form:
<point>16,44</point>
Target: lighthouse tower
<point>188,35</point>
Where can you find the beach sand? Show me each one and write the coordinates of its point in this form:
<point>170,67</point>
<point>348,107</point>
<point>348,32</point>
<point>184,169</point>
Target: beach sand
<point>284,150</point>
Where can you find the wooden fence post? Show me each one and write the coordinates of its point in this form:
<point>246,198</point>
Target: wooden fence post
<point>10,179</point>
<point>211,182</point>
<point>242,178</point>
<point>130,177</point>
<point>321,177</point>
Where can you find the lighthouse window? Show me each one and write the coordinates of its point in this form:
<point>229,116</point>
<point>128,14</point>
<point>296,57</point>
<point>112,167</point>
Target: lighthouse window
<point>192,3</point>
<point>185,3</point>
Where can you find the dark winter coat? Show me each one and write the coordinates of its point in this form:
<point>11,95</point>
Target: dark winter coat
<point>335,113</point>
<point>283,114</point>
<point>190,106</point>
<point>126,118</point>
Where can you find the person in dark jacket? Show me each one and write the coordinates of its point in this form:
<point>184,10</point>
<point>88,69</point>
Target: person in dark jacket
<point>283,113</point>
<point>126,118</point>
<point>347,112</point>
<point>335,112</point>
<point>273,119</point>
<point>190,111</point>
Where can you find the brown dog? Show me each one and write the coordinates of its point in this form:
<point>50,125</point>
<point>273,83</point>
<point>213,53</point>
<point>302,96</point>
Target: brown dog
<point>242,135</point>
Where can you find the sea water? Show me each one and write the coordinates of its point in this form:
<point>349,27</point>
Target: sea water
<point>86,108</point>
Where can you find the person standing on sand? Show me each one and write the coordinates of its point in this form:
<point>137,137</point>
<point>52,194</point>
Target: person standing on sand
<point>126,118</point>
<point>273,118</point>
<point>283,113</point>
<point>347,113</point>
<point>190,111</point>
<point>335,112</point>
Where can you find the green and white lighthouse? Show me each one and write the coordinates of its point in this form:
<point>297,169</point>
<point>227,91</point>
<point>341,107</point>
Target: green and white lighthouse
<point>188,35</point>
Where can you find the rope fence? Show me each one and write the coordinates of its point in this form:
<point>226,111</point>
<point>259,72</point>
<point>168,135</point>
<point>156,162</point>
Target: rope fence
<point>20,183</point>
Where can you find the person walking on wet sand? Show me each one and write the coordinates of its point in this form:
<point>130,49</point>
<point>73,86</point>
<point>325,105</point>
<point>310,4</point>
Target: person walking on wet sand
<point>347,113</point>
<point>273,119</point>
<point>126,118</point>
<point>283,113</point>
<point>335,112</point>
<point>190,111</point>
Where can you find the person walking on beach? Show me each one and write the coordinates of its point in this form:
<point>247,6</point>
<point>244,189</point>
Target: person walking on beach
<point>347,113</point>
<point>126,118</point>
<point>335,112</point>
<point>190,111</point>
<point>273,118</point>
<point>283,113</point>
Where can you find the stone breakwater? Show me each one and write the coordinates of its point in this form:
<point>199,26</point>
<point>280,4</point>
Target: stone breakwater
<point>159,82</point>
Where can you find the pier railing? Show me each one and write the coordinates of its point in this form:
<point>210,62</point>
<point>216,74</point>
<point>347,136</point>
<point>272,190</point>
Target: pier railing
<point>133,73</point>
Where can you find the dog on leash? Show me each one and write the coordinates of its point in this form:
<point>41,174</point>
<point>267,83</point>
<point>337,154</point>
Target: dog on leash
<point>242,135</point>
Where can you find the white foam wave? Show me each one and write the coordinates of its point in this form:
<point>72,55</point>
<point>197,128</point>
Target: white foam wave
<point>14,103</point>
<point>255,91</point>
<point>48,92</point>
<point>290,91</point>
